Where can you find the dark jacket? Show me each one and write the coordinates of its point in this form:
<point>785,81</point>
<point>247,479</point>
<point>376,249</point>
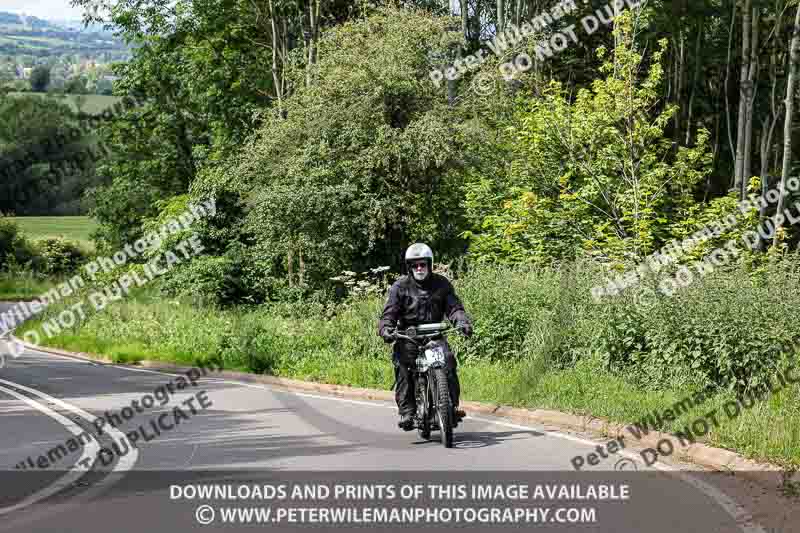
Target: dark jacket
<point>411,303</point>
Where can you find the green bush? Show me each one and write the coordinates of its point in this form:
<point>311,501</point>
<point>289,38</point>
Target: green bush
<point>727,329</point>
<point>56,256</point>
<point>205,279</point>
<point>730,329</point>
<point>8,236</point>
<point>17,254</point>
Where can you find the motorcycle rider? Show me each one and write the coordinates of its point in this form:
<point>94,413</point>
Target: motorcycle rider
<point>421,297</point>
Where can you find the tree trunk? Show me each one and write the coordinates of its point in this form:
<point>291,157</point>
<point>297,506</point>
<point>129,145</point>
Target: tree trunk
<point>290,264</point>
<point>616,37</point>
<point>744,73</point>
<point>500,16</point>
<point>681,87</point>
<point>301,276</point>
<point>695,77</point>
<point>751,97</point>
<point>766,141</point>
<point>794,66</point>
<point>313,22</point>
<point>465,19</point>
<point>276,77</point>
<point>727,77</point>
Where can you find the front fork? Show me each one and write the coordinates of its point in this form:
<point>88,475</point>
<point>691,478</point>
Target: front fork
<point>423,397</point>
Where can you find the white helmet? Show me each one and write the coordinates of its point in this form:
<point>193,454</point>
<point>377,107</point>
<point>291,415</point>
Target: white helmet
<point>415,253</point>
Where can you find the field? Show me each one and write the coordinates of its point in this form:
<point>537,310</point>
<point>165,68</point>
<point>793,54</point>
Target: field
<point>72,228</point>
<point>94,103</point>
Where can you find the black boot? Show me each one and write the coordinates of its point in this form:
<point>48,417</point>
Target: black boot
<point>458,416</point>
<point>406,422</point>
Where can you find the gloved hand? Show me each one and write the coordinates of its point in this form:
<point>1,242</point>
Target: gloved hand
<point>466,328</point>
<point>388,335</point>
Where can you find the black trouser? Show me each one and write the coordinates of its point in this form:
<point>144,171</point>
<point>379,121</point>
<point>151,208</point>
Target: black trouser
<point>404,388</point>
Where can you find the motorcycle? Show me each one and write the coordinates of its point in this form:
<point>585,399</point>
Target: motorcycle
<point>429,374</point>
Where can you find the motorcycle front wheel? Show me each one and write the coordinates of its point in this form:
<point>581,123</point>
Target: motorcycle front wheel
<point>423,409</point>
<point>444,407</point>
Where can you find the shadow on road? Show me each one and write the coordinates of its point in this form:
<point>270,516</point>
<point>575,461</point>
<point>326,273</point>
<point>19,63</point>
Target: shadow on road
<point>482,439</point>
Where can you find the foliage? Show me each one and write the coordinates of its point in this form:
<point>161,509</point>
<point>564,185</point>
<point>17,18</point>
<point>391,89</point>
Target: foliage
<point>46,161</point>
<point>45,257</point>
<point>371,283</point>
<point>202,80</point>
<point>8,237</point>
<point>40,79</point>
<point>364,160</point>
<point>595,174</point>
<point>206,280</point>
<point>57,257</point>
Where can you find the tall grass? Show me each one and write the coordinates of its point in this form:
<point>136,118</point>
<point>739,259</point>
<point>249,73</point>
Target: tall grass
<point>540,341</point>
<point>23,285</point>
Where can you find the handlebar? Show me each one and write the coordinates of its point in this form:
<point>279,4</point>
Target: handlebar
<point>413,334</point>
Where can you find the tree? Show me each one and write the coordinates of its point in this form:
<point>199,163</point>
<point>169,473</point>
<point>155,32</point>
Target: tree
<point>595,172</point>
<point>40,79</point>
<point>365,159</point>
<point>45,160</point>
<point>76,85</point>
<point>794,72</point>
<point>201,86</point>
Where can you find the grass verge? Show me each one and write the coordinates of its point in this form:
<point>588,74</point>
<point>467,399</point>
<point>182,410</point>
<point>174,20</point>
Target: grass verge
<point>345,350</point>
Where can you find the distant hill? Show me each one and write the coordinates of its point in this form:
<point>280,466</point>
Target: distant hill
<point>12,19</point>
<point>23,35</point>
<point>15,22</point>
<point>78,25</point>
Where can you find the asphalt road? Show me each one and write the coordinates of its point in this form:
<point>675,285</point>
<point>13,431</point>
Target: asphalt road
<point>247,437</point>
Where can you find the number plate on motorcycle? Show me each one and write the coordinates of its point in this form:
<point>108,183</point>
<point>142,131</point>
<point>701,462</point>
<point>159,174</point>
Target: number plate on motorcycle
<point>435,355</point>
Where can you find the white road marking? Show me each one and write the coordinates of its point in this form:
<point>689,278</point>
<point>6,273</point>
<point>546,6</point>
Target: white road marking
<point>125,463</point>
<point>75,473</point>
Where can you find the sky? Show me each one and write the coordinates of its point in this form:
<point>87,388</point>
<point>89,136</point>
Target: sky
<point>43,9</point>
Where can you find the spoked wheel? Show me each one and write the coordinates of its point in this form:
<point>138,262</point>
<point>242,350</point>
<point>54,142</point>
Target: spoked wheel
<point>444,408</point>
<point>425,428</point>
<point>423,410</point>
